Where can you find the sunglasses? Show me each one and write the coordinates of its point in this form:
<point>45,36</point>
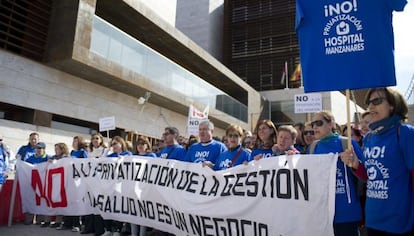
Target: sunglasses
<point>233,135</point>
<point>141,143</point>
<point>308,132</point>
<point>318,123</point>
<point>375,101</point>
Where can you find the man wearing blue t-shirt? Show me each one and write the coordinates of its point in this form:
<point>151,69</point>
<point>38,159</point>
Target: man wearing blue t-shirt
<point>172,149</point>
<point>207,150</point>
<point>28,150</point>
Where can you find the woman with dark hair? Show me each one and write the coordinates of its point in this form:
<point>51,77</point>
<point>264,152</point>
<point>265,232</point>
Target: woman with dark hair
<point>348,212</point>
<point>266,138</point>
<point>356,134</point>
<point>143,147</point>
<point>387,165</point>
<point>308,136</point>
<point>119,148</point>
<point>79,146</point>
<point>95,223</point>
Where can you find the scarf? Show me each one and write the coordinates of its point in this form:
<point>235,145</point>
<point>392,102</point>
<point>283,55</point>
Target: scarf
<point>384,125</point>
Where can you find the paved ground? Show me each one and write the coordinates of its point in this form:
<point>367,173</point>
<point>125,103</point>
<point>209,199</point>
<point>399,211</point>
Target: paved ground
<point>19,229</point>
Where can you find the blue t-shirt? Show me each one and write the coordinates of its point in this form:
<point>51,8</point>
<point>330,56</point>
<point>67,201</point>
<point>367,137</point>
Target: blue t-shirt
<point>225,159</point>
<point>347,206</point>
<point>346,44</point>
<point>176,152</point>
<point>37,159</point>
<point>26,151</point>
<point>200,152</point>
<point>148,154</point>
<point>388,160</point>
<point>81,153</point>
<point>266,153</point>
<point>2,166</point>
<point>124,153</point>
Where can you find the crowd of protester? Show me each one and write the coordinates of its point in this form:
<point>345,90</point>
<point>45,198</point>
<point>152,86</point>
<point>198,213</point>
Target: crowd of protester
<point>383,125</point>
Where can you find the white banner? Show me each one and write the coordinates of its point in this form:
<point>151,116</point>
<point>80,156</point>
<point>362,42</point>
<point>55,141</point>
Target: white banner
<point>274,196</point>
<point>194,118</point>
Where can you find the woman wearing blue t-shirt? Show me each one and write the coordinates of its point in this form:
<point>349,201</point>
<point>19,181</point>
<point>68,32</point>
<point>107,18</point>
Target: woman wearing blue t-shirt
<point>236,154</point>
<point>79,147</point>
<point>348,210</point>
<point>144,147</point>
<point>266,138</point>
<point>119,148</point>
<point>387,164</point>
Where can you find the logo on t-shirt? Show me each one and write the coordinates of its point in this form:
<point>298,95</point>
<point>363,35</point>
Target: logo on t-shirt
<point>378,173</point>
<point>343,31</point>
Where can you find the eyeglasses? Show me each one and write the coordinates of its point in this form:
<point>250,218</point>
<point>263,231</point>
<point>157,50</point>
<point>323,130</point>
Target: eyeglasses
<point>318,123</point>
<point>308,132</point>
<point>376,101</point>
<point>233,135</point>
<point>141,143</point>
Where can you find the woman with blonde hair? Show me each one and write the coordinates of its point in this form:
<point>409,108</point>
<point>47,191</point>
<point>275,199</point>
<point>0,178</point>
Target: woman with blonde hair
<point>236,154</point>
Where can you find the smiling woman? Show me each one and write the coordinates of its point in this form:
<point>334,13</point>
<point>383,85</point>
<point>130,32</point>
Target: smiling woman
<point>347,207</point>
<point>388,165</point>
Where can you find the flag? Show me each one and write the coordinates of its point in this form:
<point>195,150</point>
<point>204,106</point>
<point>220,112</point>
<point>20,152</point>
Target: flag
<point>284,74</point>
<point>297,74</point>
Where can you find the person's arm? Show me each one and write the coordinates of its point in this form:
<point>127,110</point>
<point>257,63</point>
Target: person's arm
<point>360,172</point>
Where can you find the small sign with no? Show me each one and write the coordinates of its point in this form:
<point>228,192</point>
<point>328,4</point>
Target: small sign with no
<point>308,103</point>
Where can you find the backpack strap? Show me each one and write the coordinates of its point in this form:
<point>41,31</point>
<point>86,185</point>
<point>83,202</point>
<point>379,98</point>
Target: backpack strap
<point>312,146</point>
<point>236,157</point>
<point>344,142</point>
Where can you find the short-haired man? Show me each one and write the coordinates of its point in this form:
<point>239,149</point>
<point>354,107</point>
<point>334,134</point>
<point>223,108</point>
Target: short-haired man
<point>26,151</point>
<point>207,150</point>
<point>172,149</point>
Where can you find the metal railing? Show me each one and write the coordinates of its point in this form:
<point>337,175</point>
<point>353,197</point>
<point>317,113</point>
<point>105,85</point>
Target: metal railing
<point>409,92</point>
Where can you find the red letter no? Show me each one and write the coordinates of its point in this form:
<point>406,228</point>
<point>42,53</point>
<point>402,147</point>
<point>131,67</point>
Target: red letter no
<point>37,182</point>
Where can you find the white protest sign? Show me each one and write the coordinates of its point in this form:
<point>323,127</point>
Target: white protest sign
<point>194,118</point>
<point>106,123</point>
<point>308,103</point>
<point>273,196</point>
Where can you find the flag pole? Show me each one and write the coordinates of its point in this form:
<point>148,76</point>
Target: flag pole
<point>348,120</point>
<point>287,75</point>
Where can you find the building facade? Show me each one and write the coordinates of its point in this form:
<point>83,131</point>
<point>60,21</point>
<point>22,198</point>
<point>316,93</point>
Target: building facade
<point>66,64</point>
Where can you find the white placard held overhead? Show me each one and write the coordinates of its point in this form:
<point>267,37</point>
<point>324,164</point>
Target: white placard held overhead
<point>308,103</point>
<point>106,123</point>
